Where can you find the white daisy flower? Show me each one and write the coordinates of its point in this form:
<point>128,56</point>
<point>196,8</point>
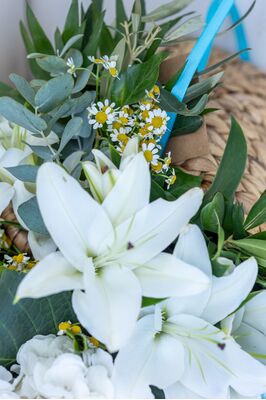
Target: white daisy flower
<point>158,121</point>
<point>171,179</point>
<point>150,151</point>
<point>120,135</point>
<point>17,262</point>
<point>101,114</point>
<point>72,68</point>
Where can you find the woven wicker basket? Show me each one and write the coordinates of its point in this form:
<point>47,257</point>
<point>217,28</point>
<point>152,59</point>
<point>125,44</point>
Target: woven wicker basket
<point>242,94</point>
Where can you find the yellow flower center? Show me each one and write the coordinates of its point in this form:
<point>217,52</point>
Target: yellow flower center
<point>157,122</point>
<point>148,155</point>
<point>63,326</point>
<point>98,61</point>
<point>172,179</point>
<point>19,258</point>
<point>101,117</point>
<point>145,114</point>
<point>156,90</point>
<point>75,329</point>
<point>113,71</point>
<point>94,341</point>
<point>117,125</point>
<point>122,138</point>
<point>158,167</point>
<point>123,120</point>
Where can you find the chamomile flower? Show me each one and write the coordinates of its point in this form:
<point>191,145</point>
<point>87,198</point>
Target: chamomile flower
<point>150,151</point>
<point>158,168</point>
<point>108,63</point>
<point>171,179</point>
<point>144,110</point>
<point>72,68</point>
<point>95,60</point>
<point>158,121</point>
<point>101,114</point>
<point>167,162</point>
<point>18,262</point>
<point>120,135</point>
<point>154,93</point>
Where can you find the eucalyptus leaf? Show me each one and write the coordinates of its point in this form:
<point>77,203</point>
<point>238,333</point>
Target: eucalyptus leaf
<point>72,129</point>
<point>257,214</point>
<point>28,317</point>
<point>166,10</point>
<point>15,112</point>
<point>232,165</point>
<point>82,79</point>
<point>76,56</point>
<point>23,87</point>
<point>42,151</point>
<point>25,173</point>
<point>52,64</point>
<point>133,82</point>
<point>54,92</point>
<point>74,106</point>
<point>30,214</point>
<point>70,43</point>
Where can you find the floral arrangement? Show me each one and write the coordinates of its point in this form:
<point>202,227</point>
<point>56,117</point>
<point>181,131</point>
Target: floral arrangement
<point>121,277</point>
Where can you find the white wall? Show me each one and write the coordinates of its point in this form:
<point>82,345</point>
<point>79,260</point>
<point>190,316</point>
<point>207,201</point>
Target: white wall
<point>52,13</point>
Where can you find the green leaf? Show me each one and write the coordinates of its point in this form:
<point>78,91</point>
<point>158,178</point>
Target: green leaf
<point>254,247</point>
<point>93,42</point>
<point>74,106</point>
<point>183,183</point>
<point>212,211</point>
<point>185,125</point>
<point>20,322</point>
<point>114,155</point>
<point>121,17</point>
<point>221,238</point>
<point>232,166</point>
<point>72,21</point>
<point>222,62</point>
<point>15,112</point>
<point>42,152</point>
<point>257,214</point>
<point>52,64</point>
<point>40,40</point>
<point>148,301</point>
<point>203,87</point>
<point>30,214</point>
<point>72,129</point>
<point>25,173</point>
<point>170,103</point>
<point>133,82</point>
<point>166,10</point>
<point>191,25</point>
<point>54,92</point>
<point>70,43</point>
<point>23,87</point>
<point>77,57</point>
<point>82,79</point>
<point>107,42</point>
<point>172,81</point>
<point>59,44</point>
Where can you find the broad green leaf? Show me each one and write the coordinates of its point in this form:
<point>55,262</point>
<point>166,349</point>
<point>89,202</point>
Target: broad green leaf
<point>70,43</point>
<point>59,44</point>
<point>23,87</point>
<point>25,173</point>
<point>203,87</point>
<point>166,10</point>
<point>20,322</point>
<point>15,112</point>
<point>133,82</point>
<point>52,64</point>
<point>185,125</point>
<point>30,214</point>
<point>40,40</point>
<point>92,45</point>
<point>257,214</point>
<point>82,79</point>
<point>72,129</point>
<point>183,183</point>
<point>72,21</point>
<point>191,25</point>
<point>212,211</point>
<point>170,103</point>
<point>119,51</point>
<point>254,247</point>
<point>107,42</point>
<point>121,17</point>
<point>232,165</point>
<point>54,92</point>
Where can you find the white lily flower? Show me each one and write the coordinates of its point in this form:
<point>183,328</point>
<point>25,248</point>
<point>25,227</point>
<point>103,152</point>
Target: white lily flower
<point>6,387</point>
<point>177,347</point>
<point>248,326</point>
<point>112,251</point>
<point>103,174</point>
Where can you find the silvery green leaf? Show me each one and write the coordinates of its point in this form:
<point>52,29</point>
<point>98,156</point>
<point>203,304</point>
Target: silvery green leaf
<point>23,87</point>
<point>42,152</point>
<point>191,25</point>
<point>74,106</point>
<point>203,87</point>
<point>119,51</point>
<point>86,129</point>
<point>70,43</point>
<point>15,112</point>
<point>136,19</point>
<point>37,83</point>
<point>54,92</point>
<point>73,160</point>
<point>36,55</point>
<point>30,214</point>
<point>25,173</point>
<point>71,130</point>
<point>52,64</point>
<point>76,56</point>
<point>82,79</point>
<point>166,10</point>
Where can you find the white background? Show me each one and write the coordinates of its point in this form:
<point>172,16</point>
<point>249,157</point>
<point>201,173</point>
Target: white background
<point>52,13</point>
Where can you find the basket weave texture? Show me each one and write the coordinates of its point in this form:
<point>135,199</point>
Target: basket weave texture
<point>242,94</point>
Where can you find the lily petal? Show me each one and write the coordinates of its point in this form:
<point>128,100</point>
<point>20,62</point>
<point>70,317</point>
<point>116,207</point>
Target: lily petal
<point>102,161</point>
<point>130,151</point>
<point>6,194</point>
<point>255,312</point>
<point>72,216</point>
<point>229,291</point>
<point>51,275</point>
<point>156,226</point>
<point>166,276</point>
<point>179,391</point>
<point>252,341</point>
<point>110,305</point>
<point>40,245</point>
<point>147,360</point>
<point>131,192</point>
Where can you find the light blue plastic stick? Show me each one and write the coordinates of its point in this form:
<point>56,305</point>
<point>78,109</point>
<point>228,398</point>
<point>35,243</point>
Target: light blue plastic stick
<point>194,59</point>
<point>239,31</point>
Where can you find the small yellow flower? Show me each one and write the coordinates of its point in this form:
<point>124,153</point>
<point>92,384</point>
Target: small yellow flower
<point>171,179</point>
<point>63,326</point>
<point>157,168</point>
<point>75,329</point>
<point>94,341</point>
<point>150,152</point>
